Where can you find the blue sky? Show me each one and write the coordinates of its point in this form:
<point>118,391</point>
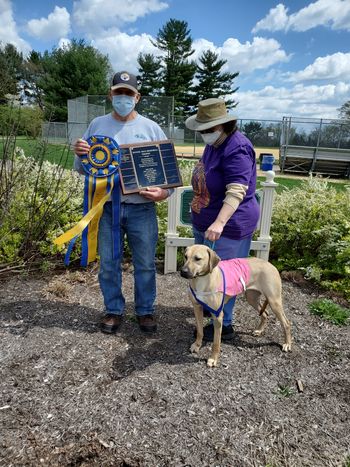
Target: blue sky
<point>293,56</point>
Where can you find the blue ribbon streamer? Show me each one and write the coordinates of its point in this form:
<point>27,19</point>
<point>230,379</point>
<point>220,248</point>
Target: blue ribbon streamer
<point>116,217</point>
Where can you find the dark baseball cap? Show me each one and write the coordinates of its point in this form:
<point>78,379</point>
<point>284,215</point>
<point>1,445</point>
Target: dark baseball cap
<point>123,79</point>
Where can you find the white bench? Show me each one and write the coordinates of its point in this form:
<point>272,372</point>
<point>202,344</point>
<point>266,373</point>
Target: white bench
<point>175,217</point>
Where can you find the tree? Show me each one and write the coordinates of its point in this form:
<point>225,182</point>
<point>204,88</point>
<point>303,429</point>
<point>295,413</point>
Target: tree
<point>10,71</point>
<point>32,72</point>
<point>174,39</point>
<point>253,131</point>
<point>150,74</point>
<point>69,72</point>
<point>344,111</point>
<point>211,81</point>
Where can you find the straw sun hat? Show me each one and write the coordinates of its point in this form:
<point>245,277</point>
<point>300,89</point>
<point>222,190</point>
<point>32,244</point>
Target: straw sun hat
<point>211,112</point>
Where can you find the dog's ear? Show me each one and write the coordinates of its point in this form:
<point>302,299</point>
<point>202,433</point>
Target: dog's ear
<point>213,259</point>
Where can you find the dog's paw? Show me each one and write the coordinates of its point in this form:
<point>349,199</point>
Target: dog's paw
<point>195,348</point>
<point>286,347</point>
<point>211,362</point>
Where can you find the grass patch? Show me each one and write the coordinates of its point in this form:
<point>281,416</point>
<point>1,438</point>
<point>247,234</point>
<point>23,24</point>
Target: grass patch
<point>330,311</point>
<point>285,391</point>
<point>290,183</point>
<point>55,153</point>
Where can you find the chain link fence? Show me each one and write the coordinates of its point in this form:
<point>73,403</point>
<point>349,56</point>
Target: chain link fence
<point>262,133</point>
<point>309,132</point>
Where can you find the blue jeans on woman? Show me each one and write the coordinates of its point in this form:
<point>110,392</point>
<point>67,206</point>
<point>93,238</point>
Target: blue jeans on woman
<point>226,248</point>
<point>138,222</point>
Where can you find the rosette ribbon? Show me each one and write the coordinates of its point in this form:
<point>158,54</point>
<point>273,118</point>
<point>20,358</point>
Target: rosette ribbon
<point>101,166</point>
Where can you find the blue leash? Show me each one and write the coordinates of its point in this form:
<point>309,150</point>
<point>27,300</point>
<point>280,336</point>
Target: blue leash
<point>204,305</point>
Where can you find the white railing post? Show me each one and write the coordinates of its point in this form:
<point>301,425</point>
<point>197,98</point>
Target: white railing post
<point>170,257</point>
<point>266,213</point>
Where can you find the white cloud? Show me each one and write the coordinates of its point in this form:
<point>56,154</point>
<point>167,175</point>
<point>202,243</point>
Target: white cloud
<point>275,20</point>
<point>200,46</point>
<point>331,67</point>
<point>99,14</point>
<point>123,49</point>
<point>8,29</point>
<point>331,13</point>
<point>245,58</point>
<point>56,25</point>
<point>273,103</point>
<point>64,42</point>
<point>259,54</point>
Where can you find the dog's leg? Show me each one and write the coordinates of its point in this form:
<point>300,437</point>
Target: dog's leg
<point>277,308</point>
<point>198,313</point>
<point>253,298</point>
<point>263,319</point>
<point>215,350</point>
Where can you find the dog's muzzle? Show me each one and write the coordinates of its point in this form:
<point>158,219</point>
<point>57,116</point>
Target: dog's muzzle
<point>186,274</point>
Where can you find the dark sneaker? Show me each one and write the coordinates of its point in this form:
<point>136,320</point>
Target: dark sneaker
<point>147,323</point>
<point>206,313</point>
<point>111,323</point>
<point>208,333</point>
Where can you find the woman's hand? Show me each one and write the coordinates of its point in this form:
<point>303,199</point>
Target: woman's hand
<point>81,147</point>
<point>154,193</point>
<point>214,231</point>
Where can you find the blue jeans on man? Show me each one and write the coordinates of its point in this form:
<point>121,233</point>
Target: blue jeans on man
<point>138,222</point>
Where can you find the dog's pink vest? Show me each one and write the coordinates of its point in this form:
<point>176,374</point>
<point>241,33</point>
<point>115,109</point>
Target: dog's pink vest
<point>237,275</point>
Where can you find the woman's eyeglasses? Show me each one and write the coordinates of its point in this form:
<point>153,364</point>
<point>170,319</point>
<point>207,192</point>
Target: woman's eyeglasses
<point>209,130</point>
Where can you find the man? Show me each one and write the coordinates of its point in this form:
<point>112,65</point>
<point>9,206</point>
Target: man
<point>138,221</point>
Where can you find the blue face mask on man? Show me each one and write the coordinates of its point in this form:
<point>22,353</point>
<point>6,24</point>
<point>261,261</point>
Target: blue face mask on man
<point>123,104</point>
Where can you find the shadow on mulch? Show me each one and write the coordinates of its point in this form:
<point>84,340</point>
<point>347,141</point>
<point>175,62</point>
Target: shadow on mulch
<point>169,346</point>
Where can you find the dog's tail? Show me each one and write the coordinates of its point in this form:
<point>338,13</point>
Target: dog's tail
<point>263,308</point>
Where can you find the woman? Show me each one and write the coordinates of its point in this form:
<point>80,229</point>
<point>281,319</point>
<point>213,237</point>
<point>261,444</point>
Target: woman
<point>224,209</point>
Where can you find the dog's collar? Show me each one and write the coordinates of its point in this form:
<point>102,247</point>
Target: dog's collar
<point>207,307</point>
<point>201,275</point>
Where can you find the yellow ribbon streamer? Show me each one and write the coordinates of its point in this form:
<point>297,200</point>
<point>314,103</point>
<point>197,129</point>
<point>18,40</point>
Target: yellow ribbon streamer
<point>101,185</point>
<point>96,210</point>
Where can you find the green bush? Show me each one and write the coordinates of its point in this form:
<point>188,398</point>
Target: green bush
<point>39,201</point>
<point>330,311</point>
<point>311,232</point>
<point>21,121</point>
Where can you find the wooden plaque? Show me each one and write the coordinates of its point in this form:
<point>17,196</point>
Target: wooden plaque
<point>148,164</point>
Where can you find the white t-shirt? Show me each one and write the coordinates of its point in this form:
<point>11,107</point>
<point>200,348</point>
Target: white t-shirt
<point>138,130</point>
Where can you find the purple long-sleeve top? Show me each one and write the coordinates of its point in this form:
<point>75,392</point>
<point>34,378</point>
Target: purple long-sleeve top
<point>232,162</point>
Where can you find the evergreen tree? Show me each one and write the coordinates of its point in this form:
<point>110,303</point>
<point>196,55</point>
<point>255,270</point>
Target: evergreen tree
<point>150,74</point>
<point>32,72</point>
<point>175,41</point>
<point>211,81</point>
<point>344,111</point>
<point>11,62</point>
<point>69,72</point>
<point>152,104</point>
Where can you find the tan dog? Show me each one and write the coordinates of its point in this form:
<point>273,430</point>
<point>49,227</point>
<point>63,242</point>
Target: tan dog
<point>201,267</point>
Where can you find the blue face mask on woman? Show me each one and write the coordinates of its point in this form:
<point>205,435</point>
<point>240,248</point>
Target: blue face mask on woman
<point>123,104</point>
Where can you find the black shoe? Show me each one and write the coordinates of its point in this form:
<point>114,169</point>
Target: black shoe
<point>111,323</point>
<point>206,313</point>
<point>147,323</point>
<point>208,333</point>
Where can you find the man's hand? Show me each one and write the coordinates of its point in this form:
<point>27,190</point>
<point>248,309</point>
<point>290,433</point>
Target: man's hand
<point>214,231</point>
<point>154,193</point>
<point>81,147</point>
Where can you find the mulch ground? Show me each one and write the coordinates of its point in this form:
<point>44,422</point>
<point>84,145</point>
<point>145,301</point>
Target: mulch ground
<point>72,396</point>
